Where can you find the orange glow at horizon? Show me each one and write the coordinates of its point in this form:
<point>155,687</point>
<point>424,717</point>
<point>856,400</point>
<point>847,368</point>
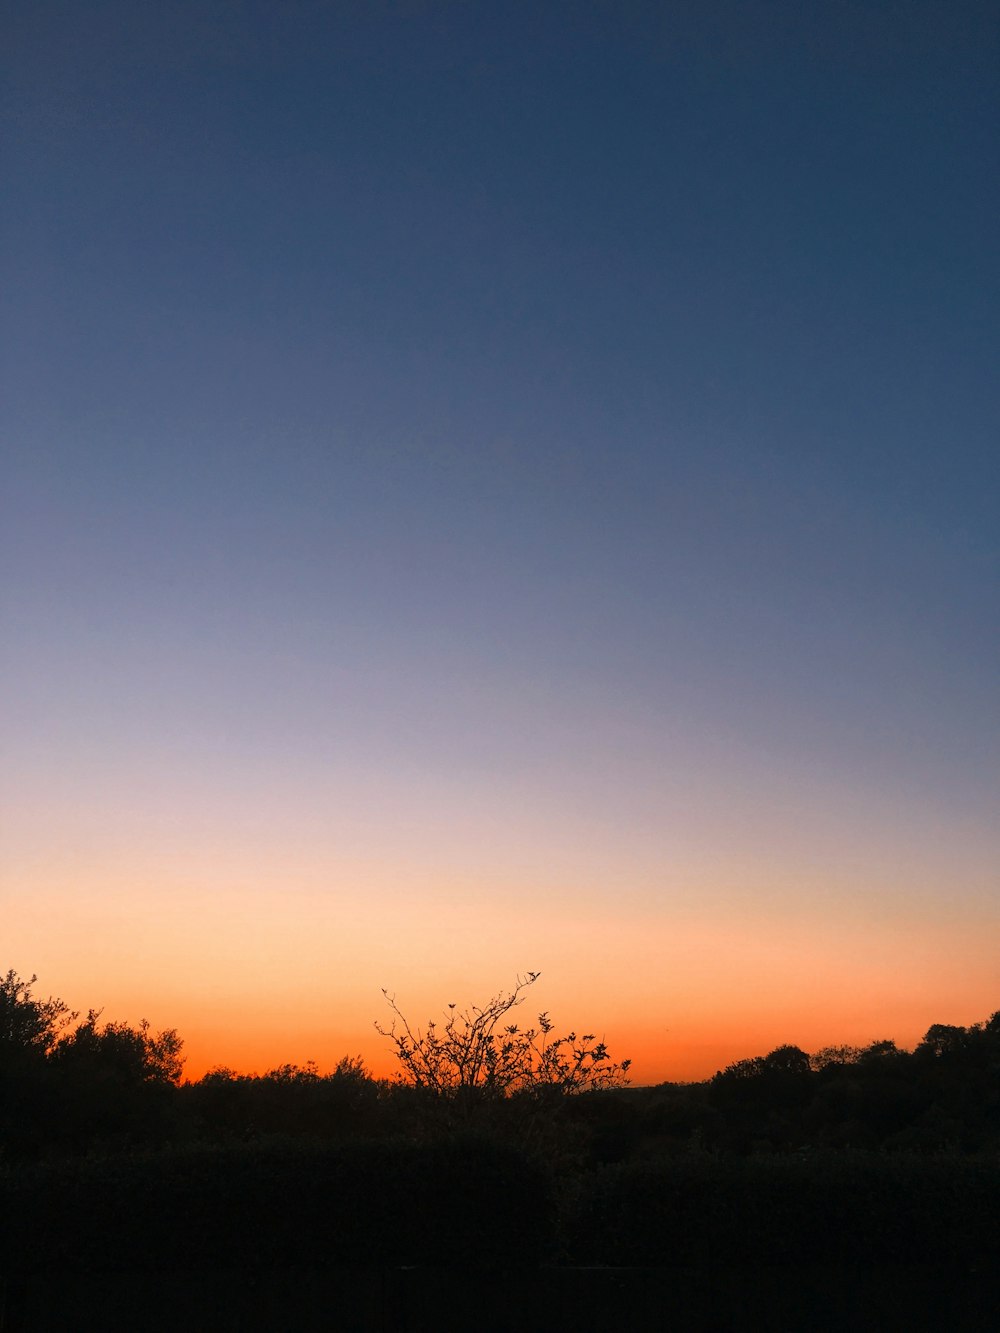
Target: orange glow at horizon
<point>263,925</point>
<point>254,980</point>
<point>500,506</point>
<point>653,1059</point>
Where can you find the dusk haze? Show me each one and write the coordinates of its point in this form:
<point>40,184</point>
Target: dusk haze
<point>501,488</point>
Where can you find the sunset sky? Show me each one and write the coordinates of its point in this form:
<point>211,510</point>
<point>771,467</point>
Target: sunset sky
<point>498,486</point>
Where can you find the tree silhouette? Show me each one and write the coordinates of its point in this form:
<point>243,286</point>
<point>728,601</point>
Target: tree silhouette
<point>29,1028</point>
<point>476,1049</point>
<point>130,1054</point>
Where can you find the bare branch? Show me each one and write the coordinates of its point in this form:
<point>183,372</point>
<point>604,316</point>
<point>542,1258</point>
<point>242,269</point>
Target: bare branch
<point>477,1050</point>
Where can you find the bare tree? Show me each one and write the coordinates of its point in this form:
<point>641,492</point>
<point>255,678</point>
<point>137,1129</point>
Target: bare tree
<point>478,1049</point>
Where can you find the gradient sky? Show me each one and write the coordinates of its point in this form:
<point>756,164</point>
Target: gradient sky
<point>492,487</point>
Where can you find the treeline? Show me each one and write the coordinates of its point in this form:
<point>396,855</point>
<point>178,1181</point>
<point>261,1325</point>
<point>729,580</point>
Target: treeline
<point>942,1096</point>
<point>74,1087</point>
<point>109,1161</point>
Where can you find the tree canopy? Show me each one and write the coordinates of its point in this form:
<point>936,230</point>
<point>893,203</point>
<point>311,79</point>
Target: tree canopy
<point>29,1027</point>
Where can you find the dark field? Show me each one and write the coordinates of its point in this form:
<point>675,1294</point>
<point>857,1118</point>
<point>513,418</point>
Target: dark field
<point>468,1233</point>
<point>437,1300</point>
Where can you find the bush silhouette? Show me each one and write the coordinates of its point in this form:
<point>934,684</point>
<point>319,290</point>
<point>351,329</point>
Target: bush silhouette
<point>477,1051</point>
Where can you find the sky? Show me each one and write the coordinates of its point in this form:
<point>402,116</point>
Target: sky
<point>492,487</point>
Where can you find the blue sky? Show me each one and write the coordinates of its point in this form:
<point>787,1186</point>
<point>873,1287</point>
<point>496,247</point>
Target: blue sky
<point>582,416</point>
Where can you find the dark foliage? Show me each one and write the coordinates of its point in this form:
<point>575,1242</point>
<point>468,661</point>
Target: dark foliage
<point>108,1162</point>
<point>278,1203</point>
<point>789,1210</point>
<point>291,1100</point>
<point>68,1087</point>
